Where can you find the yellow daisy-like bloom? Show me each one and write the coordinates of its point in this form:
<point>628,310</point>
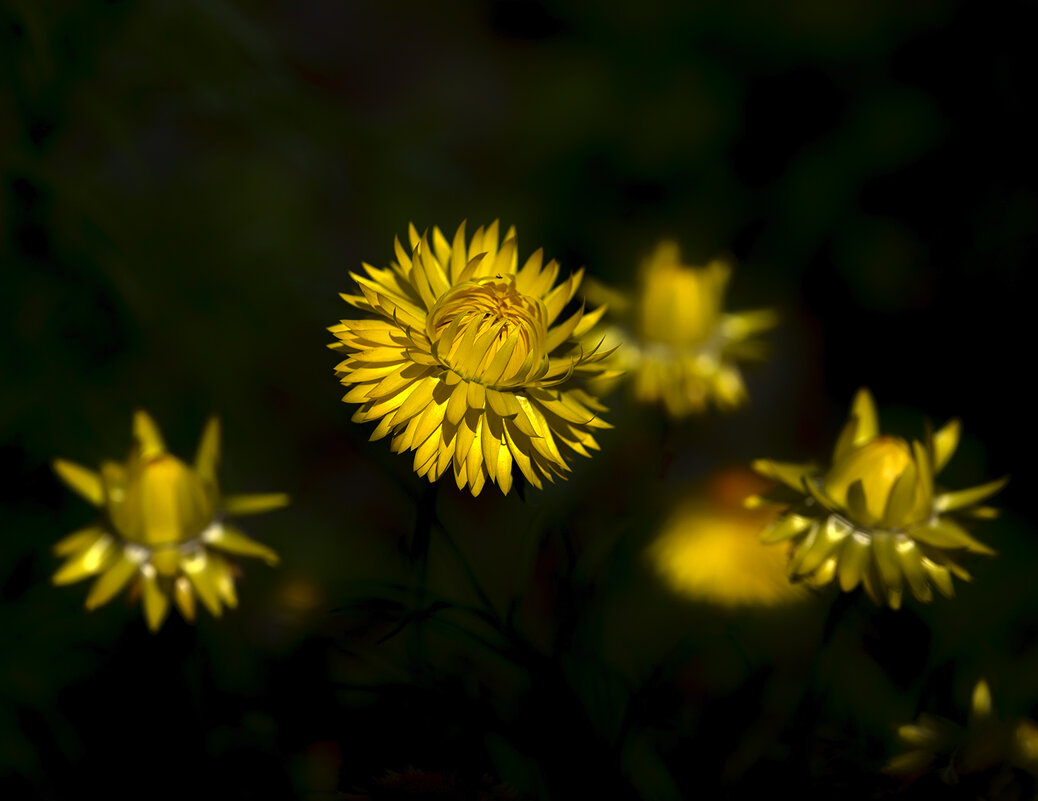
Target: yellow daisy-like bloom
<point>161,528</point>
<point>936,744</point>
<point>465,363</point>
<point>709,550</point>
<point>875,516</point>
<point>680,346</point>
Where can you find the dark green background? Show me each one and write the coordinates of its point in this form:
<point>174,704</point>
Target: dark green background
<point>185,186</point>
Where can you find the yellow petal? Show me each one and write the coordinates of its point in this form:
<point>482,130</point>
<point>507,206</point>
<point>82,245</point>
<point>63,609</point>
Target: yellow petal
<point>81,480</point>
<point>790,474</point>
<point>77,541</point>
<point>231,540</point>
<point>197,568</point>
<point>147,435</point>
<point>810,556</point>
<point>786,527</point>
<point>853,561</point>
<point>111,581</point>
<point>254,504</point>
<point>156,602</point>
<point>208,456</point>
<point>981,706</point>
<point>946,533</point>
<point>185,598</point>
<point>888,565</point>
<point>88,562</point>
<point>949,501</point>
<point>223,579</point>
<point>910,558</point>
<point>945,441</point>
<point>861,427</point>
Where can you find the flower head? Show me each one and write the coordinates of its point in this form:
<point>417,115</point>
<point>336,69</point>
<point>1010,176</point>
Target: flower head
<point>466,362</point>
<point>875,516</point>
<point>987,747</point>
<point>709,550</point>
<point>679,344</point>
<point>161,527</point>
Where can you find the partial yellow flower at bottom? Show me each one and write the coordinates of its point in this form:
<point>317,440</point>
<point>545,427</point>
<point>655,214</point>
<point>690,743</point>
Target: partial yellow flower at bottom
<point>709,549</point>
<point>161,529</point>
<point>875,516</point>
<point>938,745</point>
<point>680,347</point>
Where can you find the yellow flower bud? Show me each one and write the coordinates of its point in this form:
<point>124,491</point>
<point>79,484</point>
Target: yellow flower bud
<point>165,503</point>
<point>162,527</point>
<point>875,517</point>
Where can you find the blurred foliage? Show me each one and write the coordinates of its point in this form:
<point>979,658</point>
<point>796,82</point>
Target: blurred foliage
<point>184,188</point>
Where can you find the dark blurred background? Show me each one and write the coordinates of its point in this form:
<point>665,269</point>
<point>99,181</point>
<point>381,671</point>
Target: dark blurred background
<point>184,187</point>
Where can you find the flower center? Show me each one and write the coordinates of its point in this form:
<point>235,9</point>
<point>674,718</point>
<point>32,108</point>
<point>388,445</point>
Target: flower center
<point>487,331</point>
<point>879,465</point>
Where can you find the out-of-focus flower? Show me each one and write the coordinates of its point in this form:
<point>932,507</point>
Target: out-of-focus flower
<point>161,528</point>
<point>876,516</point>
<point>709,550</point>
<point>466,362</point>
<point>986,745</point>
<point>678,344</point>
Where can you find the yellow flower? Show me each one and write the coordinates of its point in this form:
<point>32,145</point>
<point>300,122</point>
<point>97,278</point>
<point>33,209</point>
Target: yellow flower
<point>709,550</point>
<point>465,362</point>
<point>986,743</point>
<point>876,516</point>
<point>161,527</point>
<point>682,348</point>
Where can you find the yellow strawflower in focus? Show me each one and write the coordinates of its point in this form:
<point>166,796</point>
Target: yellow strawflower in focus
<point>679,345</point>
<point>986,745</point>
<point>466,362</point>
<point>875,516</point>
<point>709,549</point>
<point>161,529</point>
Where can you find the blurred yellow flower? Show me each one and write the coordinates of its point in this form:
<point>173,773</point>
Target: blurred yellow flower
<point>465,362</point>
<point>709,550</point>
<point>161,527</point>
<point>679,345</point>
<point>953,751</point>
<point>876,516</point>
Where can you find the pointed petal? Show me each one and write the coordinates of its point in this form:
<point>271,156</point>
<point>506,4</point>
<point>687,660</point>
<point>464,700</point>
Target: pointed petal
<point>981,707</point>
<point>81,480</point>
<point>77,541</point>
<point>902,496</point>
<point>231,540</point>
<point>197,568</point>
<point>854,561</point>
<point>785,528</point>
<point>945,441</point>
<point>147,435</point>
<point>946,533</point>
<point>809,558</point>
<point>788,473</point>
<point>156,602</point>
<point>911,560</point>
<point>88,562</point>
<point>208,456</point>
<point>254,504</point>
<point>862,425</point>
<point>185,598</point>
<point>111,581</point>
<point>948,501</point>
